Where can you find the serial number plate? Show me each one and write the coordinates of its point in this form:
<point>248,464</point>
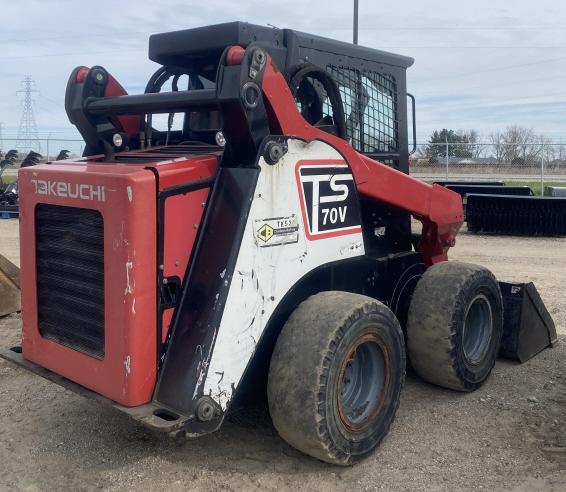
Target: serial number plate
<point>276,231</point>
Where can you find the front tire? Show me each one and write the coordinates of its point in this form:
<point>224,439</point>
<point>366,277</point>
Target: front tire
<point>336,375</point>
<point>455,325</point>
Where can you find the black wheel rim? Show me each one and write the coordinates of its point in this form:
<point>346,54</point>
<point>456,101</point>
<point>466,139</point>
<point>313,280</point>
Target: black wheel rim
<point>363,380</point>
<point>478,329</point>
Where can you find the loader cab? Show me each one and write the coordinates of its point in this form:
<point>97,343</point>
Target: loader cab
<point>354,92</point>
<point>371,83</point>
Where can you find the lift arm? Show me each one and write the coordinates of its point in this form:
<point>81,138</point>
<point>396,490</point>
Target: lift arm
<point>439,210</point>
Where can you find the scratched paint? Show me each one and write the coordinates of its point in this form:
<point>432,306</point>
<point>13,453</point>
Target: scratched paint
<point>129,285</point>
<point>127,365</point>
<point>351,248</point>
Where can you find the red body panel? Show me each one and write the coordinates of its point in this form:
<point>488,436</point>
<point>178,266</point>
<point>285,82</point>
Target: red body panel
<point>180,171</point>
<point>127,373</point>
<point>130,124</point>
<point>183,214</point>
<point>182,218</point>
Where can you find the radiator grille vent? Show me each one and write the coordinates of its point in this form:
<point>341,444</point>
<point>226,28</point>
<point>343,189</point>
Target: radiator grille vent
<point>70,277</point>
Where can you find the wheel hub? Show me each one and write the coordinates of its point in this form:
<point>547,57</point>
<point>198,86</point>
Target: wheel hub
<point>362,383</point>
<point>478,329</point>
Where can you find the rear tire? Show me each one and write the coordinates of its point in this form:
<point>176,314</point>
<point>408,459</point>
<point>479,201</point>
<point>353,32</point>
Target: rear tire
<point>336,375</point>
<point>455,325</point>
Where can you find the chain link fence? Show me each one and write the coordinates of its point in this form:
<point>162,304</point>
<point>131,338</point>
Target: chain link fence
<point>534,164</point>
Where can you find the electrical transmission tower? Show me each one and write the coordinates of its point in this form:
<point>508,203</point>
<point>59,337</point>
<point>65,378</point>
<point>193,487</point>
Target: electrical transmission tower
<point>27,134</point>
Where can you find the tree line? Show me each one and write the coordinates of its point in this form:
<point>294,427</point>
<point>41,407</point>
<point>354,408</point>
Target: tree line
<point>514,145</point>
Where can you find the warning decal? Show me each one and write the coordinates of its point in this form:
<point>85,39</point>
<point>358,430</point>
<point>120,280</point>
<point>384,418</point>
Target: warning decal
<point>276,231</point>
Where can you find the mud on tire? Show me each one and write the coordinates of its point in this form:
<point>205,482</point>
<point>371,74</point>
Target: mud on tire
<point>336,375</point>
<point>455,325</point>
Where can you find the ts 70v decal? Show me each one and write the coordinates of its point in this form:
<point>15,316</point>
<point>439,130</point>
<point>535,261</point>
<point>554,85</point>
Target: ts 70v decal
<point>329,204</point>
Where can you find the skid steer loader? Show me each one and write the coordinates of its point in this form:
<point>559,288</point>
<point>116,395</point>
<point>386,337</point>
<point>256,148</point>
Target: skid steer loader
<point>263,241</point>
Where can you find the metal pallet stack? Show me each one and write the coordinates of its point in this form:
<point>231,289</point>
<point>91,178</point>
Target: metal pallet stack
<point>525,215</point>
<point>466,189</point>
<point>559,191</point>
<point>8,191</point>
<point>9,195</point>
<point>511,210</point>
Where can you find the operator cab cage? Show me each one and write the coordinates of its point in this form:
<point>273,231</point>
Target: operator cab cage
<point>372,83</point>
<point>324,76</point>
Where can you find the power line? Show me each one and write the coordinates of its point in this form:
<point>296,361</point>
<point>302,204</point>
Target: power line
<point>478,47</point>
<point>541,27</point>
<point>56,55</point>
<point>495,69</point>
<point>450,28</point>
<point>69,36</point>
<point>493,86</point>
<point>58,104</point>
<point>518,101</point>
<point>528,98</point>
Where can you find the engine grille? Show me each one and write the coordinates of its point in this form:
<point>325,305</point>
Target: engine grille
<point>70,277</point>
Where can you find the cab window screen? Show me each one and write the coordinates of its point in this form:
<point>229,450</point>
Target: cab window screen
<point>370,107</point>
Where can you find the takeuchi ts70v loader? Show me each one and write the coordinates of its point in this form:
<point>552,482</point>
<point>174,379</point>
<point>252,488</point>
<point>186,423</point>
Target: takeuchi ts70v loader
<point>259,243</point>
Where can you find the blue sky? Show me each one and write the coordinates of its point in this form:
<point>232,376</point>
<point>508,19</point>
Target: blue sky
<point>479,65</point>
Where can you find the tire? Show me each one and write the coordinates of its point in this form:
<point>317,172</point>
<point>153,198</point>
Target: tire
<point>336,375</point>
<point>455,325</point>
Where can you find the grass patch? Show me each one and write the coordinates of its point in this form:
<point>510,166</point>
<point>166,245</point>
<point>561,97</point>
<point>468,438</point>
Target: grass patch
<point>535,185</point>
<point>9,179</point>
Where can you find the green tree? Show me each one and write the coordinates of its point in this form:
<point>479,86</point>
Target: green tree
<point>460,144</point>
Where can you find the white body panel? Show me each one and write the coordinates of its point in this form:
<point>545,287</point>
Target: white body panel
<point>263,275</point>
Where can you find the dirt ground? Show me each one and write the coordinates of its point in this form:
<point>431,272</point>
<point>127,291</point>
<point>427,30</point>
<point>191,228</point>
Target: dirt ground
<point>509,435</point>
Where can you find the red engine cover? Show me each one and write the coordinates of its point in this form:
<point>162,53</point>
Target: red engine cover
<point>126,197</point>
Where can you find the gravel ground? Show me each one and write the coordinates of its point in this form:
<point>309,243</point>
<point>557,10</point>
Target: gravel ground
<point>509,435</point>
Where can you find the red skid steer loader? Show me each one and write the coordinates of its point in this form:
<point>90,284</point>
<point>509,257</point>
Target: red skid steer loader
<point>263,239</point>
